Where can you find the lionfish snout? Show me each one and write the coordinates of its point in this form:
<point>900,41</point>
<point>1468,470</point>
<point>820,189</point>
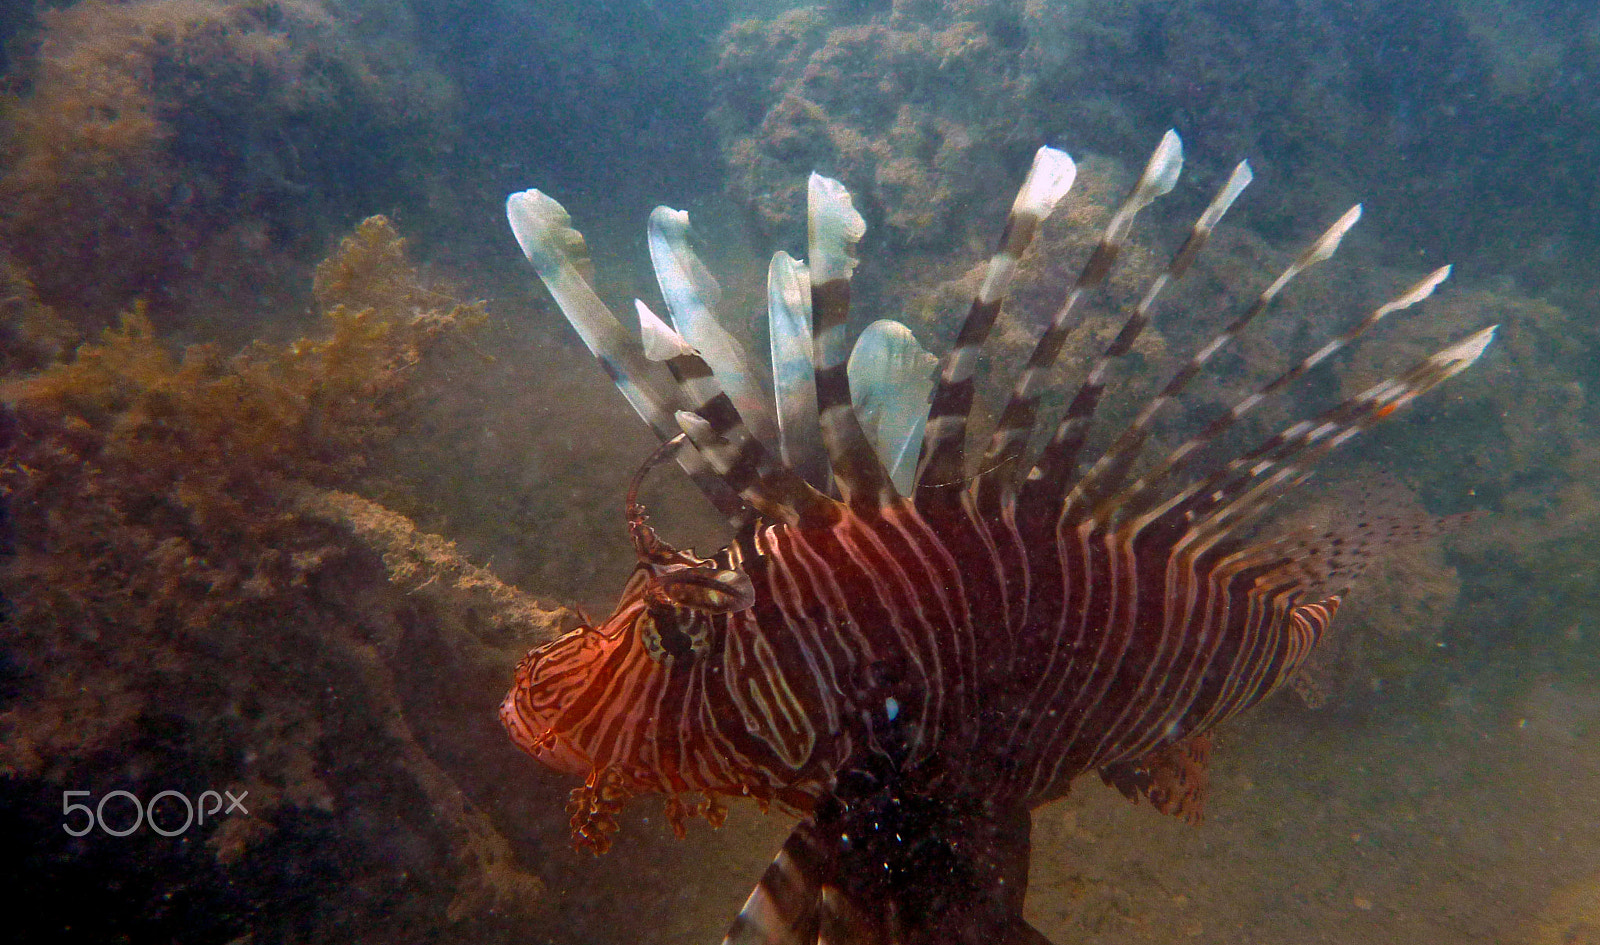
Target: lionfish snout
<point>553,685</point>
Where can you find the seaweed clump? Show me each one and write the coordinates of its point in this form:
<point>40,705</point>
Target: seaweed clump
<point>201,599</point>
<point>200,153</point>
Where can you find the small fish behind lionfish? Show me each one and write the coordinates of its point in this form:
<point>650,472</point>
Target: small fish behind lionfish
<point>910,655</point>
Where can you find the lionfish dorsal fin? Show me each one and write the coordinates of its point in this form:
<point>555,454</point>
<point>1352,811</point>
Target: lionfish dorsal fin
<point>1283,461</point>
<point>794,377</point>
<point>941,469</point>
<point>998,474</point>
<point>834,228</point>
<point>559,254</point>
<point>692,295</point>
<point>1101,491</point>
<point>717,429</point>
<point>1054,472</point>
<point>891,375</point>
<point>1164,471</point>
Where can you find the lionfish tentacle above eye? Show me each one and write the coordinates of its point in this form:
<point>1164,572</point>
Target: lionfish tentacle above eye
<point>941,474</point>
<point>998,475</point>
<point>559,254</point>
<point>647,545</point>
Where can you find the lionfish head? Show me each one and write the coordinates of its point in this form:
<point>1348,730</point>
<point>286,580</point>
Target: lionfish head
<point>589,703</point>
<point>585,704</point>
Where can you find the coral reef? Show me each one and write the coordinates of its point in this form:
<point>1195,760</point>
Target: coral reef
<point>32,335</point>
<point>926,108</point>
<point>918,116</point>
<point>199,601</point>
<point>198,153</point>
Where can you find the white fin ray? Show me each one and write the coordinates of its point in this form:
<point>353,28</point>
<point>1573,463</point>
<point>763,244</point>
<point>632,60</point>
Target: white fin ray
<point>891,376</point>
<point>1049,178</point>
<point>794,377</point>
<point>1320,251</point>
<point>1224,200</point>
<point>1159,177</point>
<point>661,343</point>
<point>692,294</point>
<point>558,253</point>
<point>834,227</point>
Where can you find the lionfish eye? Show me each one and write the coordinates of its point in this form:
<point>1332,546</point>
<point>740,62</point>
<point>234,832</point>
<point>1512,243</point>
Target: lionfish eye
<point>667,632</point>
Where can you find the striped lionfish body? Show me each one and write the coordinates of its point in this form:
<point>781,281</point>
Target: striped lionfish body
<point>910,649</point>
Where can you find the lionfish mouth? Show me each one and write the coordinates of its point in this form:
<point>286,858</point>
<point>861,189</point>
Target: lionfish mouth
<point>547,746</point>
<point>549,685</point>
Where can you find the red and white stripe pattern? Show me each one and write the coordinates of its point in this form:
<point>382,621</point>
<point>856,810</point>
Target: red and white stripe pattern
<point>993,635</point>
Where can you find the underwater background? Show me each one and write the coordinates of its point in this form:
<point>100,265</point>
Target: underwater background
<point>298,458</point>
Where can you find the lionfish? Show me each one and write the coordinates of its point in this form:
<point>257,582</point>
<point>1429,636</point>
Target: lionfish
<point>909,651</point>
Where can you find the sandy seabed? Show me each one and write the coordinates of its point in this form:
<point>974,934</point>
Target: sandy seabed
<point>1444,827</point>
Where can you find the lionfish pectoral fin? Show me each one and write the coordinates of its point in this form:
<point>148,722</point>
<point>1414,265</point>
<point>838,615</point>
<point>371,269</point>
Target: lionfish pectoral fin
<point>1173,777</point>
<point>785,908</point>
<point>836,884</point>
